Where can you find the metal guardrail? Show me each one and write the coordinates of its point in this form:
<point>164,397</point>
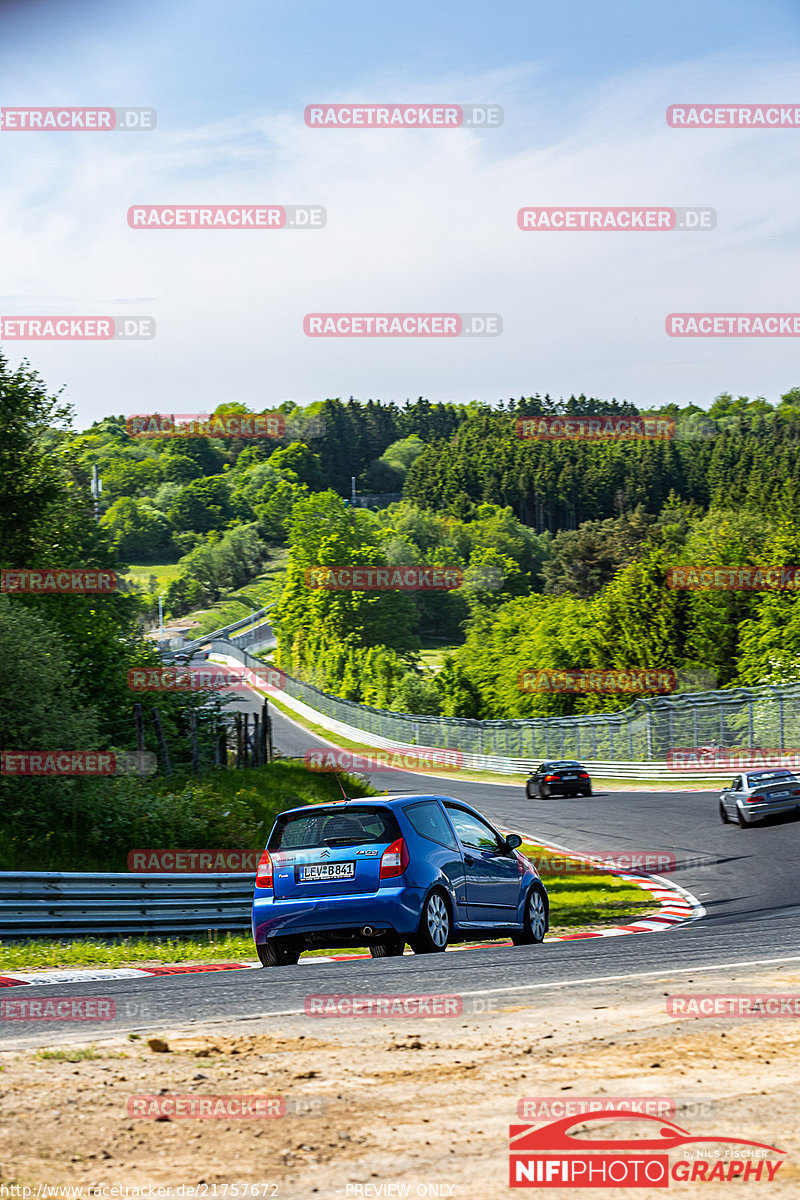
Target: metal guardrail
<point>226,629</point>
<point>252,637</point>
<point>79,904</point>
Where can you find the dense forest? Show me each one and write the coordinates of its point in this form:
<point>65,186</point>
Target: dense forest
<point>564,544</point>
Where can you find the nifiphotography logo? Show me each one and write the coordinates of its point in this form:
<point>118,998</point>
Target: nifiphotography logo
<point>551,1156</point>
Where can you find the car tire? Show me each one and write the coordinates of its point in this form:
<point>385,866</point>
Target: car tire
<point>530,790</point>
<point>743,824</point>
<point>389,947</point>
<point>535,920</point>
<point>723,816</point>
<point>544,792</point>
<point>435,926</point>
<point>278,952</point>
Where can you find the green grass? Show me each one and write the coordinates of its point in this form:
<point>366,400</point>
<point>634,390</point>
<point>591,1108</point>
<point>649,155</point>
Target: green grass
<point>261,591</point>
<point>581,902</point>
<point>78,1054</point>
<point>432,654</point>
<point>43,955</point>
<point>164,573</point>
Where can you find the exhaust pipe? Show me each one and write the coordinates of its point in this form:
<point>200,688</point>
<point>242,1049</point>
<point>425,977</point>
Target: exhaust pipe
<point>367,931</point>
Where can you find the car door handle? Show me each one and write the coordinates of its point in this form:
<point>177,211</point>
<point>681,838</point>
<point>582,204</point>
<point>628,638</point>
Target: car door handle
<point>469,860</point>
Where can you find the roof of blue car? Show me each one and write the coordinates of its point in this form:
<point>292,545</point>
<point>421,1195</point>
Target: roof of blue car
<point>383,801</point>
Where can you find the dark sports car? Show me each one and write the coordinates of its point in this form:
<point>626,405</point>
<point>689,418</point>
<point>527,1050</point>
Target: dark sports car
<point>560,777</point>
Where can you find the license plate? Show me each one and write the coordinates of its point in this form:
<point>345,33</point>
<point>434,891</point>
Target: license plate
<point>569,776</point>
<point>779,795</point>
<point>316,872</point>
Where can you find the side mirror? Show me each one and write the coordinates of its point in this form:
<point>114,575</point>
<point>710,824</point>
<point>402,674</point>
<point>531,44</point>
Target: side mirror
<point>513,840</point>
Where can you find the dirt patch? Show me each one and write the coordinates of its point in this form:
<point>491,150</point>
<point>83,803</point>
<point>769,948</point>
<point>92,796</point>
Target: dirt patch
<point>418,1103</point>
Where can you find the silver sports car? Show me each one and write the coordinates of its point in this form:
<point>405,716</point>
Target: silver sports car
<point>757,794</point>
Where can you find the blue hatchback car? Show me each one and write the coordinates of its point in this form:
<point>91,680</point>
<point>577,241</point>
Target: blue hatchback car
<point>427,870</point>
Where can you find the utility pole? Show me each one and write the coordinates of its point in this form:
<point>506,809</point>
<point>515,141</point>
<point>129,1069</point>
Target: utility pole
<point>97,487</point>
<point>353,491</point>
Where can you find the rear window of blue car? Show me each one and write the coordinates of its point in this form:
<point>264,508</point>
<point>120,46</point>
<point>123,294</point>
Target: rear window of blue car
<point>334,827</point>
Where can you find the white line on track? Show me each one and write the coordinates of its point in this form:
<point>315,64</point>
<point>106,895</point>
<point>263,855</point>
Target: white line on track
<point>560,983</point>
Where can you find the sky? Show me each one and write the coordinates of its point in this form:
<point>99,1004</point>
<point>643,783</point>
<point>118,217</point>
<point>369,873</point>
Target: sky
<point>418,221</point>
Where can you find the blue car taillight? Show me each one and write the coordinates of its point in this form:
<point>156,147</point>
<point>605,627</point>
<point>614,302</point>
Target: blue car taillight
<point>264,872</point>
<point>394,860</point>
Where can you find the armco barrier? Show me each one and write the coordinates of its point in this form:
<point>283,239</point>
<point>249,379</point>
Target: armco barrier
<point>79,904</point>
<point>225,630</point>
<point>548,737</point>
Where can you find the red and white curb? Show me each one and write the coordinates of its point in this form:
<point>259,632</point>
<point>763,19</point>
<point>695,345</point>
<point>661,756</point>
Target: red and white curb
<point>677,905</point>
<point>677,908</point>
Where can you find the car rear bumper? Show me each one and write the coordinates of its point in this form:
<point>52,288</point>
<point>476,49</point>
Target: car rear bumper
<point>754,812</point>
<point>394,909</point>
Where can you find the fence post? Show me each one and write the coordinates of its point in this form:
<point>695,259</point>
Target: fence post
<point>237,725</point>
<point>193,740</point>
<point>246,739</point>
<point>220,746</point>
<point>780,716</point>
<point>750,720</point>
<point>139,720</point>
<point>256,741</point>
<point>266,734</point>
<point>649,734</point>
<point>162,743</point>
